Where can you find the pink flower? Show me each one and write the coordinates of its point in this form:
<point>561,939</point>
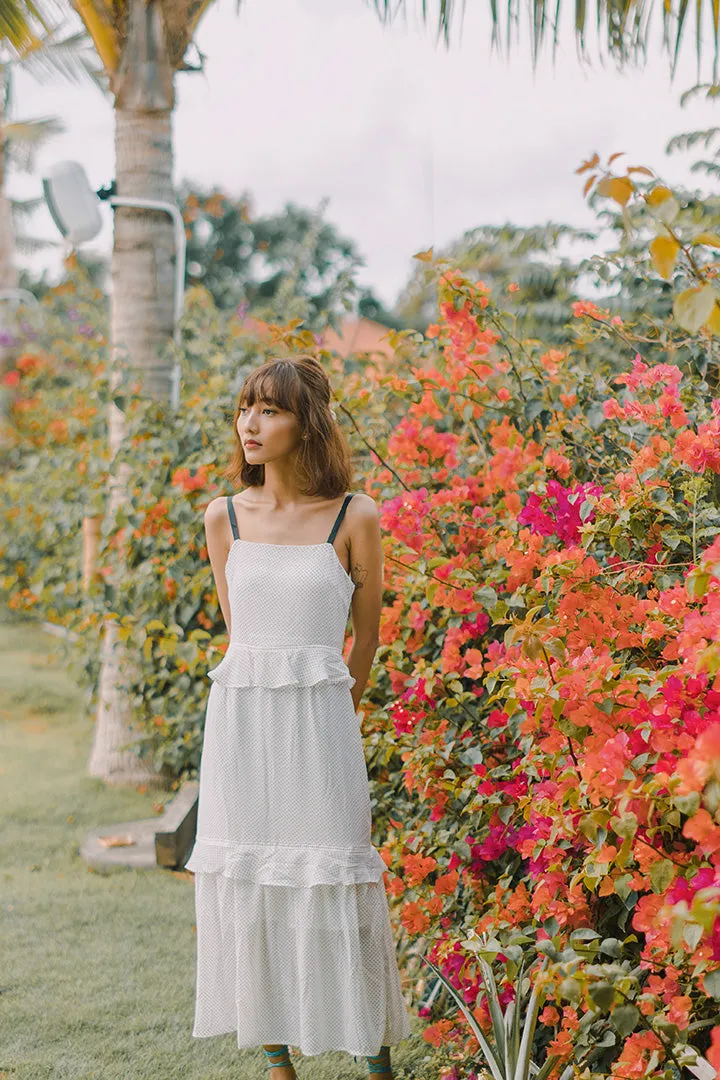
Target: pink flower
<point>558,511</point>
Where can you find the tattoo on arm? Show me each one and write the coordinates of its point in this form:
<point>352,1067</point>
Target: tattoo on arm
<point>358,575</point>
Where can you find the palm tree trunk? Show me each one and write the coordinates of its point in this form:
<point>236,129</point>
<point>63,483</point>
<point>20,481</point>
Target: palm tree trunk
<point>141,318</point>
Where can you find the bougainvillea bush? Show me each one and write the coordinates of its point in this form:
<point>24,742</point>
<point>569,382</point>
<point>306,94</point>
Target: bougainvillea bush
<point>53,450</point>
<point>550,653</point>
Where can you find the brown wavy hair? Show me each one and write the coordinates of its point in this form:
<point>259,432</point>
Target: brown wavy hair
<point>299,384</point>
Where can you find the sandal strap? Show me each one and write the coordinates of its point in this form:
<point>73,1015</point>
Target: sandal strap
<point>380,1063</point>
<point>278,1057</point>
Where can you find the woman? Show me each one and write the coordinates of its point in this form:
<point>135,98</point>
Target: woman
<point>294,941</point>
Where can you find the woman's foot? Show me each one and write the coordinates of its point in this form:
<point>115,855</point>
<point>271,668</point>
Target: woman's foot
<point>379,1065</point>
<point>283,1070</point>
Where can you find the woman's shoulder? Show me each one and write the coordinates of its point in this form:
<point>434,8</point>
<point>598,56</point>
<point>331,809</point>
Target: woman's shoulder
<point>362,512</point>
<point>363,503</point>
<point>216,509</point>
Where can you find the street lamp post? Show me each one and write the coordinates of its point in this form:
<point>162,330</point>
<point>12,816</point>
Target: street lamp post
<point>73,206</point>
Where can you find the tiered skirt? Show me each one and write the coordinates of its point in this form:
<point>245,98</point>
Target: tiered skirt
<point>294,939</point>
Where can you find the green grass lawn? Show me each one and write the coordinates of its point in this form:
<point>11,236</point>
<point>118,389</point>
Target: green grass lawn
<point>97,969</point>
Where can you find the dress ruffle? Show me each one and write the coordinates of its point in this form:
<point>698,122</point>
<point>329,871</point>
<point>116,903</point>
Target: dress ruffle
<point>278,864</point>
<point>302,665</point>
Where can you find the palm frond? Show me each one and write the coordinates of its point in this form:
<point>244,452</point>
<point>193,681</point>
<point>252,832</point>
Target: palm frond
<point>19,20</point>
<point>710,168</point>
<point>622,24</point>
<point>25,208</point>
<point>25,137</point>
<point>388,9</point>
<point>69,57</point>
<point>688,139</point>
<point>31,245</point>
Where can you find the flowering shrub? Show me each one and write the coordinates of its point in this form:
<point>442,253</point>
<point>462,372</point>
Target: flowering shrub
<point>550,660</point>
<point>54,450</point>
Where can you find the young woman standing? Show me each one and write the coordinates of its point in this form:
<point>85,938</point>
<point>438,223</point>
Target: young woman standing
<point>294,941</point>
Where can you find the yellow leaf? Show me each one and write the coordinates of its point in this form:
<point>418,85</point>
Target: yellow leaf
<point>664,205</point>
<point>640,168</point>
<point>664,253</point>
<point>620,153</point>
<point>693,307</point>
<point>711,239</point>
<point>658,195</point>
<point>619,188</point>
<point>588,164</point>
<point>168,645</point>
<point>713,323</point>
<point>424,256</point>
<point>589,183</point>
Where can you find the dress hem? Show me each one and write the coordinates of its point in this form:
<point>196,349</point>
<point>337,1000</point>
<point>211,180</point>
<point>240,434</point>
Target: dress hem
<point>388,1040</point>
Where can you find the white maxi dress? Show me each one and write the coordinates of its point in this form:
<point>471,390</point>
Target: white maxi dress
<point>294,941</point>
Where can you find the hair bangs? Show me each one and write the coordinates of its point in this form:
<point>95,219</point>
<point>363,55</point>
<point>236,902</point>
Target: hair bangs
<point>276,385</point>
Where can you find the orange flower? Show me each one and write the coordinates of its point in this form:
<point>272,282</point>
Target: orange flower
<point>447,883</point>
<point>679,1012</point>
<point>702,829</point>
<point>436,1034</point>
<point>713,1054</point>
<point>549,1016</point>
<point>413,919</point>
<point>417,868</point>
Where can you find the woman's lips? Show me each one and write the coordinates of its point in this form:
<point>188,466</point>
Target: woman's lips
<point>250,445</point>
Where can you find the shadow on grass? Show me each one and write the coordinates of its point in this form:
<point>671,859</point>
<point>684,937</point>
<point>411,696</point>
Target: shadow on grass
<point>97,975</point>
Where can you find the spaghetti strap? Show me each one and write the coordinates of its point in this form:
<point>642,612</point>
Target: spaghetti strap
<point>339,518</point>
<point>233,519</point>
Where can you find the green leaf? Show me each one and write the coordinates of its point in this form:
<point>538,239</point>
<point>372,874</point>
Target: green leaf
<point>611,947</point>
<point>688,804</point>
<point>602,994</point>
<point>522,1069</point>
<point>570,989</point>
<point>486,596</point>
<point>621,544</point>
<point>637,528</point>
<point>494,1007</point>
<point>584,933</point>
<point>711,982</point>
<point>572,730</point>
<point>625,1019</point>
<point>625,825</point>
<point>697,584</point>
<point>548,949</point>
<point>693,307</point>
<point>692,933</point>
<point>661,875</point>
<point>491,1058</point>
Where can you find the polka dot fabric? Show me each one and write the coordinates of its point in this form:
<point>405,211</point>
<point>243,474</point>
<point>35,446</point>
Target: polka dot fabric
<point>294,940</point>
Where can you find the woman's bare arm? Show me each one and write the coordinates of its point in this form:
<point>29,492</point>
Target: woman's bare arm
<point>218,536</point>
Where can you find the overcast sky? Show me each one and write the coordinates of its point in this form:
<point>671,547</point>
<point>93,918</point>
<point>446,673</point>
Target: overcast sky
<point>411,142</point>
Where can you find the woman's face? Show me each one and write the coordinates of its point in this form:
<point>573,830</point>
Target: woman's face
<point>276,430</point>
